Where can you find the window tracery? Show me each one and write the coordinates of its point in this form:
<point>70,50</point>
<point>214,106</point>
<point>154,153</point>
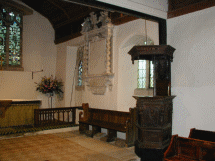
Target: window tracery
<point>79,69</point>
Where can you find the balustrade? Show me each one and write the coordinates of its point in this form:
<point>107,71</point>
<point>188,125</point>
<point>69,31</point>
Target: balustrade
<point>55,116</point>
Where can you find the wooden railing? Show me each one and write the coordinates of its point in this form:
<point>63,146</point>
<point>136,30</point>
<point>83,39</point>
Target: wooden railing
<point>55,116</point>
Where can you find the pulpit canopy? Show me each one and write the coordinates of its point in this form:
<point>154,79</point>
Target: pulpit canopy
<point>151,52</point>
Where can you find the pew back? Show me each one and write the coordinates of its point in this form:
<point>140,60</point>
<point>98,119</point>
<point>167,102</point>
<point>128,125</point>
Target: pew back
<point>202,134</point>
<point>108,117</point>
<point>188,149</point>
<point>113,121</point>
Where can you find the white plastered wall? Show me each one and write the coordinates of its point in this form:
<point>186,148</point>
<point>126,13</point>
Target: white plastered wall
<point>193,70</point>
<point>39,53</point>
<point>127,36</point>
<point>65,68</point>
<point>125,73</point>
<point>125,77</point>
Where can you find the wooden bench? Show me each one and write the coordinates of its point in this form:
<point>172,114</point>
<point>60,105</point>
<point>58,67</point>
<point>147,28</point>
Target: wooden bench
<point>113,121</point>
<point>202,134</point>
<point>189,149</point>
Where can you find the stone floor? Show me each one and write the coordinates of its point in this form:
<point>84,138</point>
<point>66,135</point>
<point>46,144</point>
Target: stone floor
<point>63,146</point>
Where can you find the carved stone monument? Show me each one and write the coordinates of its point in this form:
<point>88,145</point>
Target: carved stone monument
<point>97,59</point>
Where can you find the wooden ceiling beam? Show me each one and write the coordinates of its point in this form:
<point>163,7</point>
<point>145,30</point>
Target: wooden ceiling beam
<point>113,8</point>
<point>184,7</point>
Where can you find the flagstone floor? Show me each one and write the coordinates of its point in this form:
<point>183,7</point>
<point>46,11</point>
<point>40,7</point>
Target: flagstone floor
<point>62,146</point>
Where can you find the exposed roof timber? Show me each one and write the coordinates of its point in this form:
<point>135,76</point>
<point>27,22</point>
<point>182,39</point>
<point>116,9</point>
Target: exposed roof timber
<point>21,8</point>
<point>113,8</point>
<point>109,7</point>
<point>178,8</point>
<point>73,19</point>
<point>116,19</point>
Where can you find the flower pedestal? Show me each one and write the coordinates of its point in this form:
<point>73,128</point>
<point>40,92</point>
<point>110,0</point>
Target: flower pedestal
<point>50,96</point>
<point>51,115</point>
<point>49,86</point>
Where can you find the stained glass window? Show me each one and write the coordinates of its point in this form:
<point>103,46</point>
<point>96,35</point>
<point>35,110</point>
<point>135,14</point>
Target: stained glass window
<point>10,38</point>
<point>2,42</point>
<point>80,74</point>
<point>79,69</point>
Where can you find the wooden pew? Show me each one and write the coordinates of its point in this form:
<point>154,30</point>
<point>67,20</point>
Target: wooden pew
<point>113,121</point>
<point>189,149</point>
<point>202,134</point>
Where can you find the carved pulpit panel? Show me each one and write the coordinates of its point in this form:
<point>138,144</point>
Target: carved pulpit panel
<point>161,56</point>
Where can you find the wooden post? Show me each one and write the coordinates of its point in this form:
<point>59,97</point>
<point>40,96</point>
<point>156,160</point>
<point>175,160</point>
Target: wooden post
<point>73,115</point>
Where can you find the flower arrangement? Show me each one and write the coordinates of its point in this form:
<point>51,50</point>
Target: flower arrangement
<point>50,85</point>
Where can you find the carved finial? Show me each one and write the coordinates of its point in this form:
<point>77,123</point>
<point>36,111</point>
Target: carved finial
<point>93,19</point>
<point>104,19</point>
<point>86,25</point>
<point>92,22</point>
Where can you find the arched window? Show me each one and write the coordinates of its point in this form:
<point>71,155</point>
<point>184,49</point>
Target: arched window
<point>80,74</point>
<point>145,78</point>
<point>145,74</point>
<point>11,24</point>
<point>79,69</point>
<point>10,38</point>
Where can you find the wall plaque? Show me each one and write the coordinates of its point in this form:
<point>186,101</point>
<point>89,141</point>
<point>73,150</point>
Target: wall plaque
<point>97,60</point>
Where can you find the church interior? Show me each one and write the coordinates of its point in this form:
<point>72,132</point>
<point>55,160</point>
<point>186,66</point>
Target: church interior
<point>146,66</point>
